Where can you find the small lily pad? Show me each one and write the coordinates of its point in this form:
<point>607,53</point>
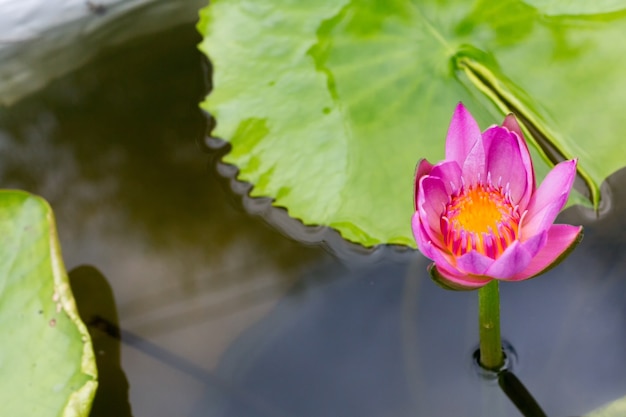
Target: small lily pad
<point>615,409</point>
<point>46,357</point>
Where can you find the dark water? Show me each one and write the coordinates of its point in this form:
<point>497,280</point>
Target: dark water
<point>223,315</point>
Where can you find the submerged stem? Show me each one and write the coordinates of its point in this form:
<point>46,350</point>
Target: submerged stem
<point>491,356</point>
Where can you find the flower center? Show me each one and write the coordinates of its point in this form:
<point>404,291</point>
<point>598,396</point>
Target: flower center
<point>480,217</point>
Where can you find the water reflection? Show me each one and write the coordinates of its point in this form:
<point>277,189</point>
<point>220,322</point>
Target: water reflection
<point>97,309</point>
<point>113,148</point>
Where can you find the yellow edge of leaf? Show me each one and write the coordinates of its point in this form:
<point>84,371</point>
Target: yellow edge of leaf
<point>79,403</point>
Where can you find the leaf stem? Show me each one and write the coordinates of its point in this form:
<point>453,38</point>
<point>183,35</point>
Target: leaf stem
<point>491,356</point>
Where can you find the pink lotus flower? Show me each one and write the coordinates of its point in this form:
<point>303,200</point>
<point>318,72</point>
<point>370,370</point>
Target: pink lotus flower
<point>478,215</point>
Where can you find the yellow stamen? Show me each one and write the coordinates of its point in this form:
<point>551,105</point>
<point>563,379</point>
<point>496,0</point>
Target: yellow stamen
<point>482,218</point>
<point>478,211</point>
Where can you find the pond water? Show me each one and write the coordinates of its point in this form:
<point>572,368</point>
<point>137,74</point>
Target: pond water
<point>226,307</point>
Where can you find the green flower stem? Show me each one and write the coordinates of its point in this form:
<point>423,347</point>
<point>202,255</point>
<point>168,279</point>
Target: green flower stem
<point>489,320</point>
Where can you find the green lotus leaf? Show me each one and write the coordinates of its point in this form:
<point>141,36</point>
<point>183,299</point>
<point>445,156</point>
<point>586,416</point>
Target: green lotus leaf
<point>329,105</point>
<point>46,358</point>
<point>577,7</point>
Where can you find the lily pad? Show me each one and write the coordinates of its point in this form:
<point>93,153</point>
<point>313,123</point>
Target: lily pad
<point>46,357</point>
<point>577,7</point>
<point>328,105</point>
